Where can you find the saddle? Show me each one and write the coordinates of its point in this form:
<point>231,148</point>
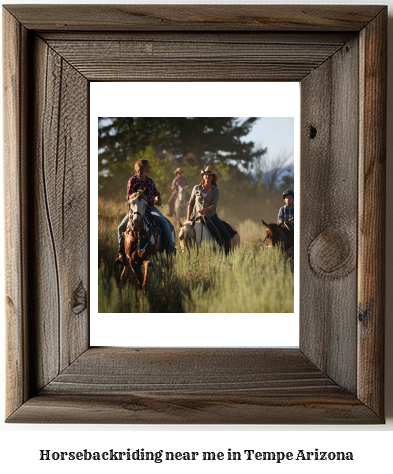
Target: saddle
<point>215,232</point>
<point>287,228</point>
<point>157,227</point>
<point>232,232</point>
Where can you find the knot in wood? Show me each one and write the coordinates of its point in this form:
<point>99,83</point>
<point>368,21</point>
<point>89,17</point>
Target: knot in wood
<point>313,132</point>
<point>79,299</point>
<point>363,316</point>
<point>330,254</point>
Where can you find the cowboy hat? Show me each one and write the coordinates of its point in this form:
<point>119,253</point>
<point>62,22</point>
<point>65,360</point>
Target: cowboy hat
<point>178,170</point>
<point>209,170</point>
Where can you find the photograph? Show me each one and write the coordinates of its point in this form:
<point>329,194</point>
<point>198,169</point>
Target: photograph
<point>196,214</point>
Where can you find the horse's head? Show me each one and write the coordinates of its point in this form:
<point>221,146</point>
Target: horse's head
<point>272,237</point>
<point>186,234</point>
<point>137,204</point>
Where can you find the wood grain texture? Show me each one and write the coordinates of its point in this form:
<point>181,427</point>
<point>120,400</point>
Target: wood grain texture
<point>15,174</point>
<point>60,182</point>
<point>193,386</point>
<point>329,177</point>
<point>52,374</point>
<point>195,17</point>
<point>67,198</point>
<point>156,409</point>
<point>201,37</point>
<point>214,60</point>
<point>372,191</point>
<point>183,371</point>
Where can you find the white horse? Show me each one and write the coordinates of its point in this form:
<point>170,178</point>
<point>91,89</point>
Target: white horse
<point>195,233</point>
<point>181,203</point>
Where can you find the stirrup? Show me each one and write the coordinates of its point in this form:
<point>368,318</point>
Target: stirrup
<point>121,259</point>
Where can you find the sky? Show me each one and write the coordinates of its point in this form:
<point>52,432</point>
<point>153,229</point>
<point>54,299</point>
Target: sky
<point>274,133</point>
<point>276,103</point>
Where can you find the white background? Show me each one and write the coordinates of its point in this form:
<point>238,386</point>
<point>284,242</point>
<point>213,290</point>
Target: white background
<point>371,445</point>
<point>174,99</point>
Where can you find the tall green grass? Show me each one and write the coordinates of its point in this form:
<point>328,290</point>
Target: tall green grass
<point>249,282</point>
<point>119,298</point>
<point>252,279</point>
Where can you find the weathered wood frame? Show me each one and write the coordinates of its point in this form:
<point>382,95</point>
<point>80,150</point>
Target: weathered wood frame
<point>338,54</point>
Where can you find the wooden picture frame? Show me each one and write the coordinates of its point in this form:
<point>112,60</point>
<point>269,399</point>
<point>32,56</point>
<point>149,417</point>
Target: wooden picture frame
<point>338,54</point>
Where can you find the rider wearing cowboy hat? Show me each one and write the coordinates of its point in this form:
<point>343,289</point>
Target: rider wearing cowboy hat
<point>285,214</point>
<point>179,180</point>
<point>203,204</point>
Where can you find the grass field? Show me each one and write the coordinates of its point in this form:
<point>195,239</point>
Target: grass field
<point>253,279</point>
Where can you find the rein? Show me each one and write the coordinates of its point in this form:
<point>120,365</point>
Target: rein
<point>203,220</point>
<point>291,231</point>
<point>148,242</point>
<point>212,236</point>
<point>284,237</point>
<point>131,213</point>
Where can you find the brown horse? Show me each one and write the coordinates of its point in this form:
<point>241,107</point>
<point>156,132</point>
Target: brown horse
<point>141,238</point>
<point>281,234</point>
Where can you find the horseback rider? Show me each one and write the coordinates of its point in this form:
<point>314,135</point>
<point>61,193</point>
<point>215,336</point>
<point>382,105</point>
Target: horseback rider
<point>143,168</point>
<point>285,214</point>
<point>203,204</point>
<point>178,180</point>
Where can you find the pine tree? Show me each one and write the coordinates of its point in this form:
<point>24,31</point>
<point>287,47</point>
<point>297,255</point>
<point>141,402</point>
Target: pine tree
<point>200,140</point>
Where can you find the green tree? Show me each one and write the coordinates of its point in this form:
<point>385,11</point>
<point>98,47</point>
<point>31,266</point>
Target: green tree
<point>199,140</point>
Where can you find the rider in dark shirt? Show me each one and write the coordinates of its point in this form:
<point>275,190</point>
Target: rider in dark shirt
<point>142,168</point>
<point>285,214</point>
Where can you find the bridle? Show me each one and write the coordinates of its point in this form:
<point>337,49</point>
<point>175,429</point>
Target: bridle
<point>203,221</point>
<point>131,214</point>
<point>285,237</point>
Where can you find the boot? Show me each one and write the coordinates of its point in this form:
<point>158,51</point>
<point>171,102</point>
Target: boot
<point>121,258</point>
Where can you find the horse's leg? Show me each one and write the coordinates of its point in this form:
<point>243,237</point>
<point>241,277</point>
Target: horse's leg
<point>122,273</point>
<point>138,273</point>
<point>146,265</point>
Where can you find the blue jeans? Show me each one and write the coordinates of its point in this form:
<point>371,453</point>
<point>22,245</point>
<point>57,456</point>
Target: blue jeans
<point>221,228</point>
<point>165,225</point>
<point>122,227</point>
